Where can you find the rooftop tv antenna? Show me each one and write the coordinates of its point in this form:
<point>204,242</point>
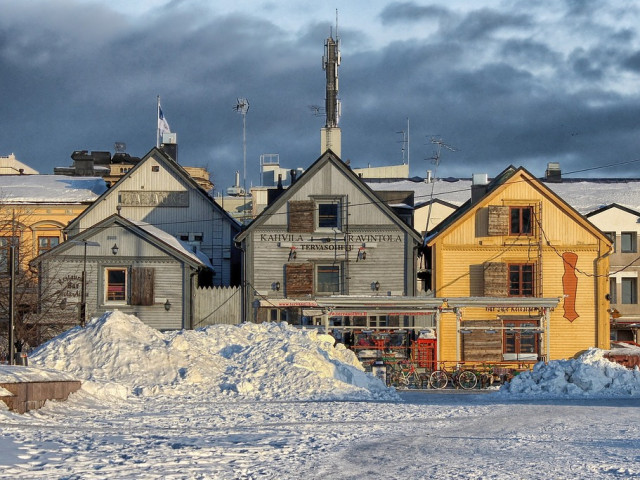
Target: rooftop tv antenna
<point>242,107</point>
<point>435,159</point>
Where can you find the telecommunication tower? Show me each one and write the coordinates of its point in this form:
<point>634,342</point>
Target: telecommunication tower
<point>330,135</point>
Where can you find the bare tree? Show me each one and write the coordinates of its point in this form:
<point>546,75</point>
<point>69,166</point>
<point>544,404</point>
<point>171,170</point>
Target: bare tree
<point>36,318</point>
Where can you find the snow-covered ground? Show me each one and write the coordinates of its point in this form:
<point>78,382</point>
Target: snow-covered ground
<point>272,402</point>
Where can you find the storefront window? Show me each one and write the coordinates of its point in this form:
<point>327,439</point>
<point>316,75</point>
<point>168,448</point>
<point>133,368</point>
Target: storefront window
<point>521,340</point>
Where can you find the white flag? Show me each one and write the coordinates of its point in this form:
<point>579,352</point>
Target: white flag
<point>163,125</point>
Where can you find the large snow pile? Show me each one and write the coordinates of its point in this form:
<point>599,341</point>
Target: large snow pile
<point>254,361</point>
<point>589,375</point>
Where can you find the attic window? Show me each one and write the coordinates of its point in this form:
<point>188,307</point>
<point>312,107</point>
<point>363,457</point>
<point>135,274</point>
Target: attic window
<point>155,168</point>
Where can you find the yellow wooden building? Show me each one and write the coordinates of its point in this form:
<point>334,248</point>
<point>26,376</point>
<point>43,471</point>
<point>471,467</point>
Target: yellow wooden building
<point>34,209</point>
<point>524,277</point>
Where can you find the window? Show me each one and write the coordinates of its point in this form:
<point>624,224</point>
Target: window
<point>116,285</point>
<point>520,219</point>
<point>328,279</point>
<point>198,237</point>
<point>5,246</point>
<point>613,291</point>
<point>521,340</point>
<point>184,237</point>
<point>629,290</point>
<point>47,243</point>
<point>628,242</point>
<point>612,237</point>
<point>521,280</point>
<point>329,215</point>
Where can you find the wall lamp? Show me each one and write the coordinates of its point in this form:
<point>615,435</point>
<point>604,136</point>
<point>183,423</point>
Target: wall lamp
<point>362,254</point>
<point>115,249</point>
<point>491,331</point>
<point>375,286</point>
<point>275,286</point>
<point>464,331</point>
<point>167,305</point>
<point>293,254</point>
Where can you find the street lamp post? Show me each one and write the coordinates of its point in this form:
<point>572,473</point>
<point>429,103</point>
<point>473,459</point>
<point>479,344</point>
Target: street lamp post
<point>83,296</point>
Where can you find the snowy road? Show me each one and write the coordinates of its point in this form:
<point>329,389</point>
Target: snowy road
<point>429,435</point>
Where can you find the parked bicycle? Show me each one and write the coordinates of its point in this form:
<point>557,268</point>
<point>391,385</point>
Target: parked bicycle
<point>465,379</point>
<point>406,374</point>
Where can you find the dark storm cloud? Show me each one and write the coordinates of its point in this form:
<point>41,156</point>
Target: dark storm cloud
<point>400,12</point>
<point>489,82</point>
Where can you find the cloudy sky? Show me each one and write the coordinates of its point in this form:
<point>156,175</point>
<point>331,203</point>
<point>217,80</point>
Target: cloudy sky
<point>504,82</point>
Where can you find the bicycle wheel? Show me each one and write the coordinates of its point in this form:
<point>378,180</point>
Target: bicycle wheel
<point>468,380</point>
<point>438,379</point>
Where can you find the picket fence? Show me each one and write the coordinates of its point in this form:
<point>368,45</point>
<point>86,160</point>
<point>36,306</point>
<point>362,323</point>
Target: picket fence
<point>217,305</point>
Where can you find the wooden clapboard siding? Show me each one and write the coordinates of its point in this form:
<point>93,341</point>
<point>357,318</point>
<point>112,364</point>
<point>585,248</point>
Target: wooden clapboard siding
<point>198,215</point>
<point>466,244</point>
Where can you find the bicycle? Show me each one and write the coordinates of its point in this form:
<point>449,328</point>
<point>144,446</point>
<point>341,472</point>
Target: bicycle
<point>404,377</point>
<point>465,379</point>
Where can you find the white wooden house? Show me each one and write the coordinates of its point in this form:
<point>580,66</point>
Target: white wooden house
<point>123,265</point>
<point>160,192</point>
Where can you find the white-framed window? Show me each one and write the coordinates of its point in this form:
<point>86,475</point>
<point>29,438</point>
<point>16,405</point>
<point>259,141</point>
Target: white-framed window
<point>116,282</point>
<point>328,278</point>
<point>329,215</point>
<point>47,243</point>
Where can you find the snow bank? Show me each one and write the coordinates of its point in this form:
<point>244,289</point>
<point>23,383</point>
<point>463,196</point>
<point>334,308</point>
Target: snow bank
<point>18,373</point>
<point>250,361</point>
<point>589,375</point>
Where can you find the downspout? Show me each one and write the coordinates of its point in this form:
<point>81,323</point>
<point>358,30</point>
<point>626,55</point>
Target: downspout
<point>243,283</point>
<point>603,340</point>
<point>193,297</point>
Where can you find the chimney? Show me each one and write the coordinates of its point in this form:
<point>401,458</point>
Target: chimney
<point>279,181</point>
<point>293,174</point>
<point>479,184</point>
<point>170,145</point>
<point>553,173</point>
<point>429,179</point>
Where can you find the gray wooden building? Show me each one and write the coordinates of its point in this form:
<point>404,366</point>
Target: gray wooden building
<point>123,265</point>
<point>158,191</point>
<point>328,243</point>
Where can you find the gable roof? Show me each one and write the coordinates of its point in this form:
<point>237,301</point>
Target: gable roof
<point>499,183</point>
<point>160,239</point>
<point>171,165</point>
<point>327,157</point>
<point>613,205</point>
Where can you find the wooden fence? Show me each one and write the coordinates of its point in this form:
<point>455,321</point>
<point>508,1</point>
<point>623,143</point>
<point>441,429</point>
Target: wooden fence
<point>217,305</point>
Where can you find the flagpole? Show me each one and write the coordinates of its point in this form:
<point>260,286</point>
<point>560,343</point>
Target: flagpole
<point>158,124</point>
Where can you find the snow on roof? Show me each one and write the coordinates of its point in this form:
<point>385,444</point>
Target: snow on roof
<point>583,195</point>
<point>173,242</point>
<point>248,361</point>
<point>50,189</point>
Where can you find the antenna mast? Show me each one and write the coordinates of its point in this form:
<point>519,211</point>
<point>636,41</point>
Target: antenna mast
<point>330,137</point>
<point>436,160</point>
<point>242,107</point>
